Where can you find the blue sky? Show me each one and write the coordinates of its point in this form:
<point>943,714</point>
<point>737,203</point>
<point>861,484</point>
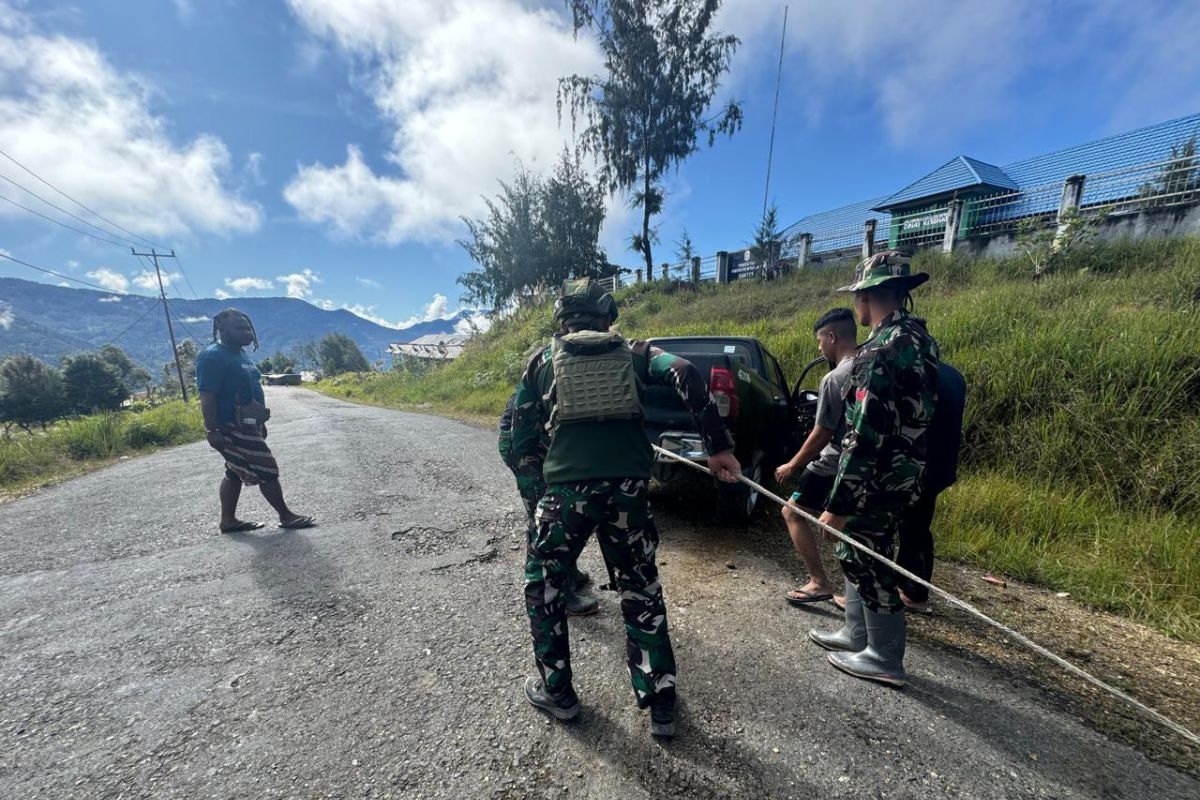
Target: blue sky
<point>326,149</point>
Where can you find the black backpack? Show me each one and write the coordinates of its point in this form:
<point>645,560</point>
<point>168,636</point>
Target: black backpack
<point>945,429</point>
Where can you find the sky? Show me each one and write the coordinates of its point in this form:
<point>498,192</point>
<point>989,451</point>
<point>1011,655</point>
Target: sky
<point>328,149</point>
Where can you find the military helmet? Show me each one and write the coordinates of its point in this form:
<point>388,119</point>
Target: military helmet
<point>889,268</point>
<point>584,299</point>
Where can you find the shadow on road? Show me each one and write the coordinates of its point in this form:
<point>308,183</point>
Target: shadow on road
<point>292,572</point>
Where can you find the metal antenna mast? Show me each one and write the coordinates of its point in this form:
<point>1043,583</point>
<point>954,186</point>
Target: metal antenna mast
<point>775,113</point>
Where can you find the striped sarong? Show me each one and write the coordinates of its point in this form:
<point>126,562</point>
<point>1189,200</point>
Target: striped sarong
<point>247,457</point>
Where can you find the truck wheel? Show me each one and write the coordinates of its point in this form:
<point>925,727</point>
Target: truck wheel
<point>738,502</point>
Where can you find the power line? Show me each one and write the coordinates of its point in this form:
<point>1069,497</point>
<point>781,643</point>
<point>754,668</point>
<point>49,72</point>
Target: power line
<point>105,289</point>
<point>63,210</point>
<point>183,272</point>
<point>81,205</point>
<point>117,338</point>
<point>63,224</point>
<point>775,113</point>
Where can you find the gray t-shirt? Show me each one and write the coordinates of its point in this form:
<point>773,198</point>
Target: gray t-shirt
<point>831,413</point>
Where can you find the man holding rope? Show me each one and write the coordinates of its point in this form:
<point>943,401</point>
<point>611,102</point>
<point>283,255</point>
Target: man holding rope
<point>889,404</point>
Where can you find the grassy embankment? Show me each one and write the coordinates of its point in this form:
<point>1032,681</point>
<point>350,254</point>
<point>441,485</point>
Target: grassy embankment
<point>1082,451</point>
<point>76,445</point>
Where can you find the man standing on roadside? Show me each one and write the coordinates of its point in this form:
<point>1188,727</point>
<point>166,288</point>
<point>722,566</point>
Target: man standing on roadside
<point>235,417</point>
<point>881,471</point>
<point>818,457</point>
<point>586,390</point>
<point>528,472</point>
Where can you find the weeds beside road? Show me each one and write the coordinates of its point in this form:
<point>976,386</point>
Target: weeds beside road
<point>72,446</point>
<point>1082,442</point>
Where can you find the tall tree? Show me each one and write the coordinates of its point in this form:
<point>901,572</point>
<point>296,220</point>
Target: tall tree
<point>538,231</point>
<point>768,242</point>
<point>187,359</point>
<point>131,374</point>
<point>340,354</point>
<point>648,111</point>
<point>92,384</point>
<point>31,393</point>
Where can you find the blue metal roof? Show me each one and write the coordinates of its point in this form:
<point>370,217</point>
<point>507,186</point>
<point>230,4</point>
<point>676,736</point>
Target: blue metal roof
<point>960,172</point>
<point>1035,183</point>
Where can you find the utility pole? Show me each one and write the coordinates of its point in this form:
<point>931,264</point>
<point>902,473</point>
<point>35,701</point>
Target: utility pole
<point>154,254</point>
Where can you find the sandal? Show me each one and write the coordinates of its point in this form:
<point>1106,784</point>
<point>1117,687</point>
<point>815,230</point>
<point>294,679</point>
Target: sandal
<point>299,522</point>
<point>241,527</point>
<point>799,597</point>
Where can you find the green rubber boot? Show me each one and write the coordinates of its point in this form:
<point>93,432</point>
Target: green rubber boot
<point>883,659</point>
<point>853,634</point>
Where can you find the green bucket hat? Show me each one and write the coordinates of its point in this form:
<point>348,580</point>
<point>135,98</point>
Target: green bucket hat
<point>583,298</point>
<point>890,268</point>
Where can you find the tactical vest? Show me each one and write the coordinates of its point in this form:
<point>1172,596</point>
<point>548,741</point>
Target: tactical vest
<point>594,379</point>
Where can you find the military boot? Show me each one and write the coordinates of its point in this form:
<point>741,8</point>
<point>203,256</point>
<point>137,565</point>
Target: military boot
<point>852,636</point>
<point>662,718</point>
<point>580,602</point>
<point>883,659</point>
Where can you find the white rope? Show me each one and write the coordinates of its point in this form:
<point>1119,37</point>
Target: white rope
<point>965,606</point>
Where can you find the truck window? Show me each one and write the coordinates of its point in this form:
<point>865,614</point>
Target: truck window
<point>780,381</point>
<point>736,351</point>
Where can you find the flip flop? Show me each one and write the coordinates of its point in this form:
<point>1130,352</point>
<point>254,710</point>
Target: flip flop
<point>806,598</point>
<point>299,522</point>
<point>240,527</point>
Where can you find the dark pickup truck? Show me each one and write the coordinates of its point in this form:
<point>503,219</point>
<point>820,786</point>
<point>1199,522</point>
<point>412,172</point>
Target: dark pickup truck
<point>768,416</point>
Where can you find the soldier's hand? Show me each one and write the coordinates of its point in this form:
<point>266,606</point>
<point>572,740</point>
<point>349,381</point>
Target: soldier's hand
<point>725,466</point>
<point>835,521</point>
<point>784,472</point>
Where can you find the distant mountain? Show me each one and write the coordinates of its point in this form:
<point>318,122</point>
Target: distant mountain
<point>52,321</point>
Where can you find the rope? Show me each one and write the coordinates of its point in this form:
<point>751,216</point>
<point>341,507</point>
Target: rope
<point>962,604</point>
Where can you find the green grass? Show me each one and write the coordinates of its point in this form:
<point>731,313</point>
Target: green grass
<point>73,445</point>
<point>1082,442</point>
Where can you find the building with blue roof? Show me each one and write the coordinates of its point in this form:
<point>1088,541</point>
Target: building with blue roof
<point>1115,168</point>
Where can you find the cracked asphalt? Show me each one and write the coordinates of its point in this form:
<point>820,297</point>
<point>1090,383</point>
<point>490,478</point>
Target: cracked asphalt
<point>143,654</point>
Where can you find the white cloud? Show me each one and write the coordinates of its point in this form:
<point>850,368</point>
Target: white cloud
<point>368,313</point>
<point>221,294</point>
<point>196,320</point>
<point>6,316</point>
<point>90,129</point>
<point>184,9</point>
<point>72,264</point>
<point>472,323</point>
<point>109,279</point>
<point>466,86</point>
<point>112,298</point>
<point>147,280</point>
<point>299,284</point>
<point>243,285</point>
<point>370,283</point>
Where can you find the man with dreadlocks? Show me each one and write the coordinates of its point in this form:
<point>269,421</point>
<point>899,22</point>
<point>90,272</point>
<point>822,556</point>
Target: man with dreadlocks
<point>235,416</point>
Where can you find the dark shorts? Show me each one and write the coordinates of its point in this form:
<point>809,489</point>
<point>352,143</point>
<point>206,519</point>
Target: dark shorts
<point>813,490</point>
<point>248,460</point>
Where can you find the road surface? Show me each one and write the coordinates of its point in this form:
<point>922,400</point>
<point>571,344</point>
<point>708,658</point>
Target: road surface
<point>142,654</point>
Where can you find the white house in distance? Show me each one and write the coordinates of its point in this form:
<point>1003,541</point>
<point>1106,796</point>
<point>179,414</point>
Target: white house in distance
<point>433,346</point>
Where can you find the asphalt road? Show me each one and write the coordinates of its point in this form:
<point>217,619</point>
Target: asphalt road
<point>142,654</point>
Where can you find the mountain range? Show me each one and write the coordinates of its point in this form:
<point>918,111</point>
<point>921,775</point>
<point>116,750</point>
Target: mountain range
<point>52,321</point>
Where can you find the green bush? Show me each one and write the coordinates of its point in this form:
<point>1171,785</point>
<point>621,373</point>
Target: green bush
<point>96,436</point>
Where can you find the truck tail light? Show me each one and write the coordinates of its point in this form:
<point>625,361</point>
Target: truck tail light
<point>723,389</point>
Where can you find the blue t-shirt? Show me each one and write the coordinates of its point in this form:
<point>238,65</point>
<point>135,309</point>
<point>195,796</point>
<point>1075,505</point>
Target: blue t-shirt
<point>229,373</point>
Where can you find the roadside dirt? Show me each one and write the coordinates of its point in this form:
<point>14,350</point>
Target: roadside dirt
<point>1161,672</point>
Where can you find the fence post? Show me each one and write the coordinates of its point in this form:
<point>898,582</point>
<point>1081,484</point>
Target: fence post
<point>953,223</point>
<point>639,275</point>
<point>868,239</point>
<point>722,266</point>
<point>696,269</point>
<point>1071,196</point>
<point>805,252</point>
<point>665,271</point>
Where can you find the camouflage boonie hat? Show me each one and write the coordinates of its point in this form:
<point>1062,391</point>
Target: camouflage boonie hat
<point>890,268</point>
<point>583,298</point>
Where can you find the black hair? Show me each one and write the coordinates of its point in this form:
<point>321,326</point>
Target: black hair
<point>224,316</point>
<point>903,296</point>
<point>840,319</point>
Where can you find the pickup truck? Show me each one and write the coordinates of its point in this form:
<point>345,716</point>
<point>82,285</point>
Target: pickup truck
<point>769,417</point>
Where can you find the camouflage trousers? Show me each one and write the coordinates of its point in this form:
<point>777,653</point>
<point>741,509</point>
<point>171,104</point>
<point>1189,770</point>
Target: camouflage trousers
<point>618,512</point>
<point>877,583</point>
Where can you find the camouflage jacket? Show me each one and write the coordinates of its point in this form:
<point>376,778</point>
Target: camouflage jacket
<point>615,449</point>
<point>889,403</point>
<point>528,471</point>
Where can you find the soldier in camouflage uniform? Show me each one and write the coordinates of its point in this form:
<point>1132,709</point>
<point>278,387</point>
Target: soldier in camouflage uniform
<point>585,390</point>
<point>889,404</point>
<point>579,601</point>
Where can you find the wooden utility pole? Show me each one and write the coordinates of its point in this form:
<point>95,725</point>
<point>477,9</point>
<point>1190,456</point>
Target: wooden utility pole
<point>154,254</point>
